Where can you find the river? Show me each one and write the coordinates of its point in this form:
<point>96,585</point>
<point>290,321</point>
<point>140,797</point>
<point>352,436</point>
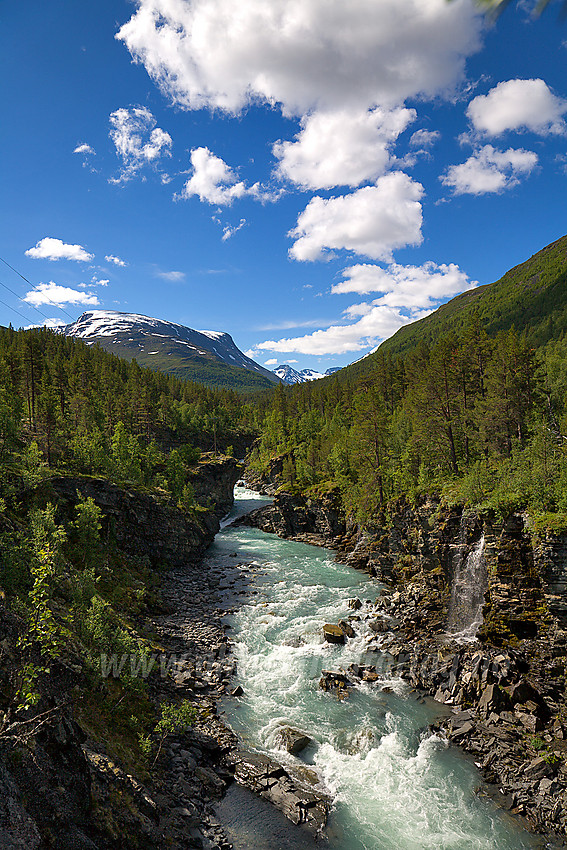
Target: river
<point>394,783</point>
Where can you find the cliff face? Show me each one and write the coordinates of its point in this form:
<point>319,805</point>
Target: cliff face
<point>319,521</point>
<point>213,483</point>
<point>148,526</point>
<point>506,689</point>
<point>78,787</point>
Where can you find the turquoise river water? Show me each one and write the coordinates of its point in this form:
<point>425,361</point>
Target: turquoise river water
<point>394,783</point>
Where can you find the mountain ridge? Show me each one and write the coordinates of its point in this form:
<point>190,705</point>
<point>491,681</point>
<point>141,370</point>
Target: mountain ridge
<point>516,299</point>
<point>289,375</point>
<point>531,297</point>
<point>208,357</point>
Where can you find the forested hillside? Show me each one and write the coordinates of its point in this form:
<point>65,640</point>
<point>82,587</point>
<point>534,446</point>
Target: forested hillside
<point>531,296</point>
<point>69,406</point>
<point>480,418</point>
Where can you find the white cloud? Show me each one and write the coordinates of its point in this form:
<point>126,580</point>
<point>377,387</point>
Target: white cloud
<point>424,138</point>
<point>84,149</point>
<point>412,287</point>
<point>302,54</point>
<point>54,249</point>
<point>517,105</point>
<point>110,258</point>
<point>272,362</point>
<point>172,276</point>
<point>377,324</point>
<point>293,323</point>
<point>372,221</point>
<point>489,170</point>
<point>345,147</point>
<point>55,295</point>
<point>214,181</point>
<point>137,140</point>
<point>48,323</point>
<point>230,229</point>
<point>407,293</point>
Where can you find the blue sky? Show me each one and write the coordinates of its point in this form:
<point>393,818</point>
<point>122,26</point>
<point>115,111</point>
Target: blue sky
<point>307,175</point>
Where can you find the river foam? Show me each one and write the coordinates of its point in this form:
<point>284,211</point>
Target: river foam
<point>395,783</point>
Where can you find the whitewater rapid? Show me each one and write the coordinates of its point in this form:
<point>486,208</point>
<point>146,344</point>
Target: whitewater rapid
<point>394,782</point>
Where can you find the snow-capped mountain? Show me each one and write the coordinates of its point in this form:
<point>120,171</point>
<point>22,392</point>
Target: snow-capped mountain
<point>207,356</point>
<point>289,375</point>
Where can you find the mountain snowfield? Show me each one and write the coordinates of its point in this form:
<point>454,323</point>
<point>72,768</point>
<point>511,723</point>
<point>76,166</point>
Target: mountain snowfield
<point>176,348</point>
<point>167,346</point>
<point>289,375</point>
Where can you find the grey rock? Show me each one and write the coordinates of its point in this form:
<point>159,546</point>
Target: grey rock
<point>293,740</point>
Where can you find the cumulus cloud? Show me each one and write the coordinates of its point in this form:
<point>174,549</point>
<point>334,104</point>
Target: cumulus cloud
<point>48,323</point>
<point>84,149</point>
<point>341,148</point>
<point>518,105</point>
<point>413,287</point>
<point>54,249</point>
<point>377,324</point>
<point>110,258</point>
<point>272,362</point>
<point>301,54</point>
<point>55,295</point>
<point>373,221</point>
<point>407,293</point>
<point>424,138</point>
<point>489,170</point>
<point>137,140</point>
<point>215,182</point>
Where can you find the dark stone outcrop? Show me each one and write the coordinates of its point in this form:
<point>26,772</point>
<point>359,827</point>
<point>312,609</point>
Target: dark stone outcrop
<point>293,740</point>
<point>293,793</point>
<point>147,525</point>
<point>309,520</point>
<point>333,633</point>
<point>213,483</point>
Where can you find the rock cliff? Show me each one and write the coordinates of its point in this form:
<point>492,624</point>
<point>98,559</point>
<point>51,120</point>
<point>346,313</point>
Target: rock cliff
<point>313,520</point>
<point>506,686</point>
<point>81,785</point>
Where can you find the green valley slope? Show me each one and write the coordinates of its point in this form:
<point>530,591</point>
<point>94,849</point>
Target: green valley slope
<point>207,357</point>
<point>531,296</point>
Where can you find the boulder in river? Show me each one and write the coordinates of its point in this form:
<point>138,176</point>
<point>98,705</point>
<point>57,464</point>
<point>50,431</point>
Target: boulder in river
<point>292,739</point>
<point>333,633</point>
<point>331,680</point>
<point>297,797</point>
<point>347,629</point>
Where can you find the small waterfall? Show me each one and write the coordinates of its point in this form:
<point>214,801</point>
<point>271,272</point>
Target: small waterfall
<point>469,585</point>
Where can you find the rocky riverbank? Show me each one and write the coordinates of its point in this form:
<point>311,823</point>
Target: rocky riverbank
<point>506,688</point>
<point>74,779</point>
<point>210,757</point>
<point>72,773</point>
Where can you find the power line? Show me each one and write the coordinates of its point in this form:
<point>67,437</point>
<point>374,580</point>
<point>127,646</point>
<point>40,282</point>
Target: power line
<point>23,301</point>
<point>6,263</point>
<point>13,309</point>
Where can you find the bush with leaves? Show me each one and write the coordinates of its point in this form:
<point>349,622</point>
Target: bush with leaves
<point>175,718</point>
<point>42,635</point>
<point>86,529</point>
